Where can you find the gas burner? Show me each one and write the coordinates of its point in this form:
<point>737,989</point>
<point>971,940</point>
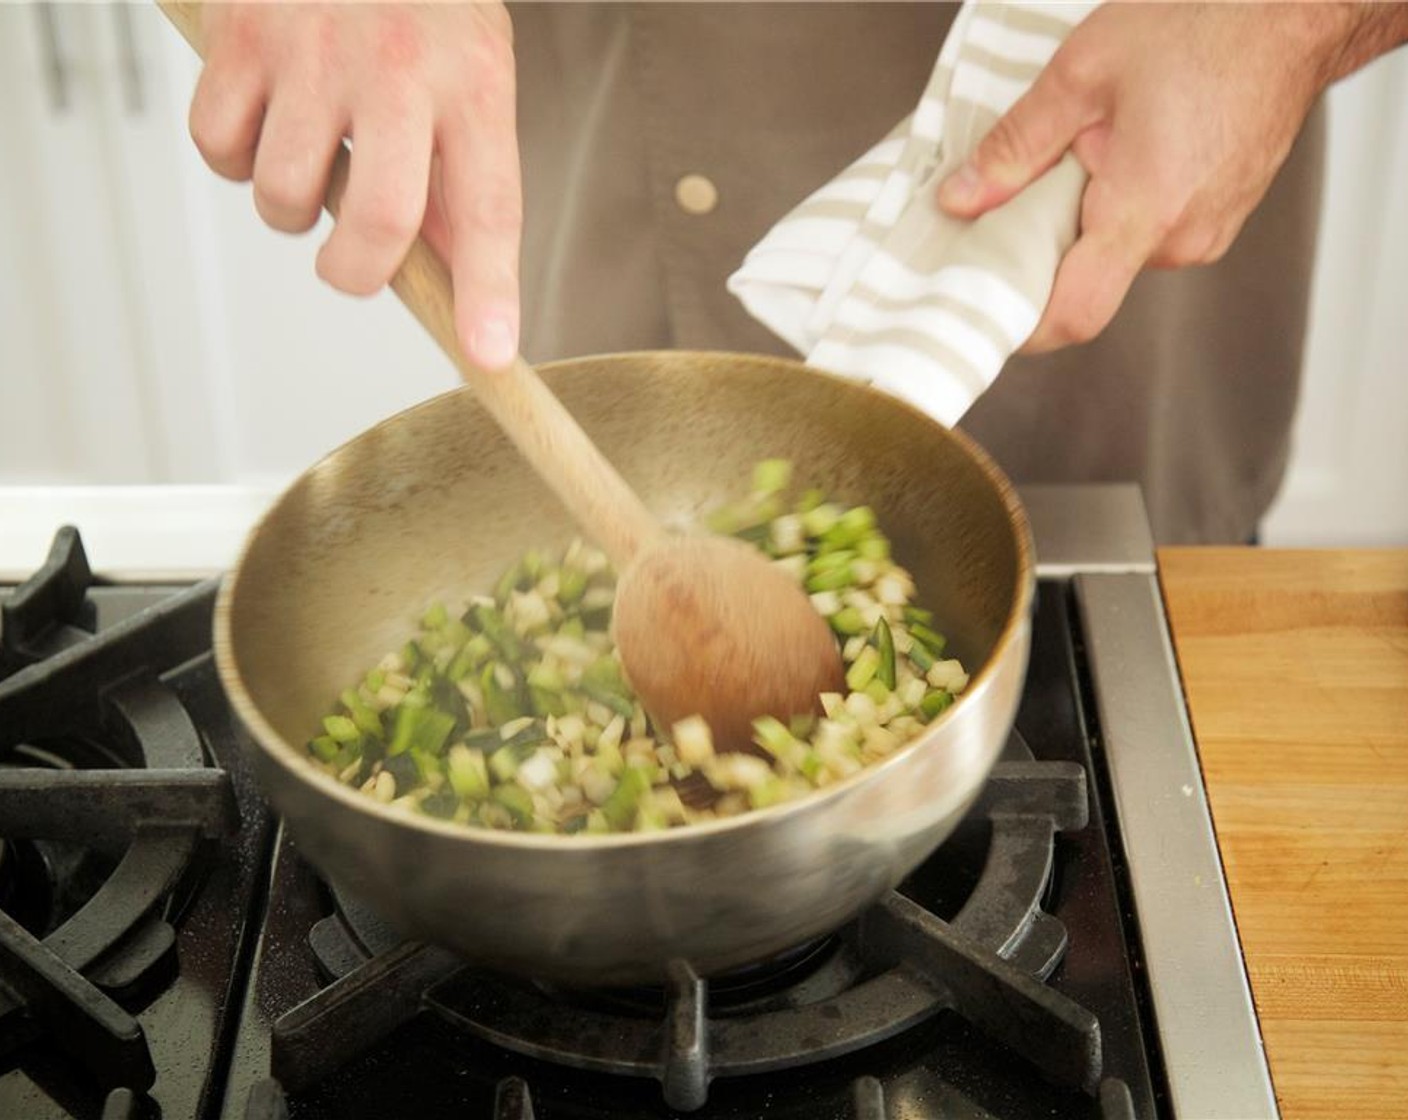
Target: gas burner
<point>897,966</point>
<point>106,794</point>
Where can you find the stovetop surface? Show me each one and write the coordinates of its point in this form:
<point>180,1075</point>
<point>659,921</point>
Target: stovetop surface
<point>242,960</point>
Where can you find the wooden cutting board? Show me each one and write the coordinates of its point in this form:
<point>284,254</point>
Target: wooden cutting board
<point>1296,671</point>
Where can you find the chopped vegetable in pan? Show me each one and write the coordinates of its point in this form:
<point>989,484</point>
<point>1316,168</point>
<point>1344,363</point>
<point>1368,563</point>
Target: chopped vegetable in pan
<point>514,712</point>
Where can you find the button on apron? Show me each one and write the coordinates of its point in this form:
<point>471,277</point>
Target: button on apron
<point>696,195</point>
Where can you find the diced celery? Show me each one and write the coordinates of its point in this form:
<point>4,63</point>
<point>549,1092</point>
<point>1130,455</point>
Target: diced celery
<point>769,792</point>
<point>874,547</point>
<point>325,748</point>
<point>772,736</point>
<point>571,586</point>
<point>935,702</point>
<point>772,476</point>
<point>863,669</point>
<point>820,519</point>
<point>848,621</point>
<point>832,579</point>
<point>341,728</point>
<point>877,690</point>
<point>853,525</point>
<point>932,641</point>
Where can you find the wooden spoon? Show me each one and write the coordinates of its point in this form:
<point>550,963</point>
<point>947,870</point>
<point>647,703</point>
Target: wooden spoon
<point>704,625</point>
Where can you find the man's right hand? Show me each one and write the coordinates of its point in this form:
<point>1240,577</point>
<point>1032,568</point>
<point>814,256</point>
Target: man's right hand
<point>426,95</point>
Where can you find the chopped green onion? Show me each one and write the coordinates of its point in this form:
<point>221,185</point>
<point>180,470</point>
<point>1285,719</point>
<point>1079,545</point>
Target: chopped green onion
<point>884,641</point>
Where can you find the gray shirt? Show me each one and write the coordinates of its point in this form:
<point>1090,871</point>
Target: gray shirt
<point>1190,391</point>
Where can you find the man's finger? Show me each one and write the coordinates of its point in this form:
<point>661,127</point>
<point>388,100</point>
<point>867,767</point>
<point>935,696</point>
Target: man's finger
<point>291,169</point>
<point>385,201</point>
<point>483,208</point>
<point>227,111</point>
<point>1117,236</point>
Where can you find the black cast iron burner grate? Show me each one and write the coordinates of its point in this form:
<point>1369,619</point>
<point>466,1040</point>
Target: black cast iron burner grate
<point>97,754</point>
<point>895,967</point>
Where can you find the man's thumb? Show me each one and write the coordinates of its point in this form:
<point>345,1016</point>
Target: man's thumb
<point>1025,143</point>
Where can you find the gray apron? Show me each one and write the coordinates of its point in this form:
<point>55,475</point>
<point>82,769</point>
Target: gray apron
<point>1190,392</point>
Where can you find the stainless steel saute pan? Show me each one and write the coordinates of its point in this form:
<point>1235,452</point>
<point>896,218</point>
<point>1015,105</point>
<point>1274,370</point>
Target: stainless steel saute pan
<point>434,503</point>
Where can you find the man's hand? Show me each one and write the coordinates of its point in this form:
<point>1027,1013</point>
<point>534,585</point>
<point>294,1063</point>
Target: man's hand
<point>1181,114</point>
<point>426,95</point>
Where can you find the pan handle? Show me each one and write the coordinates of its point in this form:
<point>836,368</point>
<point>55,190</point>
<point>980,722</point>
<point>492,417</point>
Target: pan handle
<point>531,415</point>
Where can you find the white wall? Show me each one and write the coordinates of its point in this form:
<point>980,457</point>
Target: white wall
<point>1348,482</point>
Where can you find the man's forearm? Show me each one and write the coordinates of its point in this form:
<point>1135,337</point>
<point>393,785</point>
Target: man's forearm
<point>1365,32</point>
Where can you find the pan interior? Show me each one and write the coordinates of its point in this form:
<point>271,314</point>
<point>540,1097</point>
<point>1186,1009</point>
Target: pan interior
<point>435,502</point>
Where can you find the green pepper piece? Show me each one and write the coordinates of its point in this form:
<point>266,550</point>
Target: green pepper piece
<point>534,735</point>
<point>620,808</point>
<point>517,800</point>
<point>424,728</point>
<point>325,748</point>
<point>492,624</point>
<point>442,804</point>
<point>486,739</point>
<point>468,774</point>
<point>404,769</point>
<point>341,728</point>
<point>413,657</point>
<point>604,682</point>
<point>514,579</point>
<point>500,704</point>
<point>546,703</point>
<point>366,718</point>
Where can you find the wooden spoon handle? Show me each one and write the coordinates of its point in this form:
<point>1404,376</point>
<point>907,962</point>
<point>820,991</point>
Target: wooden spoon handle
<point>528,411</point>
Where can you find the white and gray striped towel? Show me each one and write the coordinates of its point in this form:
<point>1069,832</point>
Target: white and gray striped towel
<point>870,279</point>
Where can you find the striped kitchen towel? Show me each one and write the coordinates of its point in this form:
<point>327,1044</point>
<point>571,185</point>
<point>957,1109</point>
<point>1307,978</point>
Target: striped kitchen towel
<point>870,279</point>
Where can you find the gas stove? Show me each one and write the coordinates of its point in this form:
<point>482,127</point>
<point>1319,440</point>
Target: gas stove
<point>166,951</point>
